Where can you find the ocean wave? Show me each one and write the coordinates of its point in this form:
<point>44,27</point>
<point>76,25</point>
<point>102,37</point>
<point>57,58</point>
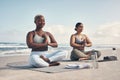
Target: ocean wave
<point>21,48</point>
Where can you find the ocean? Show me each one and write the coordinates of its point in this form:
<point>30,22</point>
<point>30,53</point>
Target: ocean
<point>11,49</point>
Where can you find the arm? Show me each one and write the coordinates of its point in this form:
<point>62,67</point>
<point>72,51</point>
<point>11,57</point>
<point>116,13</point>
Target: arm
<point>88,43</point>
<point>73,44</point>
<point>52,42</point>
<point>30,42</point>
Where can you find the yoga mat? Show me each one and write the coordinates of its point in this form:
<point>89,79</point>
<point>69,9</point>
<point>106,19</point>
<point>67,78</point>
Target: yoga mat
<point>52,69</point>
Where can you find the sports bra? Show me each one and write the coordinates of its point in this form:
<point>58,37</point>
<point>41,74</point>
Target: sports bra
<point>37,38</point>
<point>79,41</point>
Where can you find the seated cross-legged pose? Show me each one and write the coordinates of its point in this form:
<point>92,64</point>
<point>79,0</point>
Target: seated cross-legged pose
<point>79,41</point>
<point>37,40</point>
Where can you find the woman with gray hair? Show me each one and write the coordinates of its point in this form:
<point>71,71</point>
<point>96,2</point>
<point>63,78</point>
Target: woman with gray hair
<point>38,41</point>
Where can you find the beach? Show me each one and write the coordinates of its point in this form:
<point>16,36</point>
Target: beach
<point>107,70</point>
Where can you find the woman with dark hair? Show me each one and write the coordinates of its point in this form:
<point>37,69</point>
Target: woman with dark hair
<point>79,41</point>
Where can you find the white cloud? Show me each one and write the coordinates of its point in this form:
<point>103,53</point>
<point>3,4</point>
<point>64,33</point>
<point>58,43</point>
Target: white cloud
<point>107,34</point>
<point>13,36</point>
<point>61,33</point>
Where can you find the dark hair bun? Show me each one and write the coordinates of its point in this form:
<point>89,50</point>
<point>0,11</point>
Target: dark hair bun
<point>77,24</point>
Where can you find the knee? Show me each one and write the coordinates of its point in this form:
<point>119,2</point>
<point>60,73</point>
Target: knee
<point>40,65</point>
<point>36,61</point>
<point>64,52</point>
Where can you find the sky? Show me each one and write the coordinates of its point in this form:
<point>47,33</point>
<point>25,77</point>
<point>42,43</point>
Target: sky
<point>101,19</point>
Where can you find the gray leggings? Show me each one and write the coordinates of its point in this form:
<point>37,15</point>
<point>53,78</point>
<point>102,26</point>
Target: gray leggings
<point>76,54</point>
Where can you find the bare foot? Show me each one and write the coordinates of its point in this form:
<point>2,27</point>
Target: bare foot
<point>50,63</point>
<point>54,64</point>
<point>45,59</point>
<point>83,59</point>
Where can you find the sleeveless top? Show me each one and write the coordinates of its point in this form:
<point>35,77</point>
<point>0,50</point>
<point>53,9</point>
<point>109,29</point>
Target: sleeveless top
<point>79,41</point>
<point>39,39</point>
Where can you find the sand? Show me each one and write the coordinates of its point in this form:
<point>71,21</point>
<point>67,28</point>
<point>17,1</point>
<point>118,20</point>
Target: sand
<point>109,70</point>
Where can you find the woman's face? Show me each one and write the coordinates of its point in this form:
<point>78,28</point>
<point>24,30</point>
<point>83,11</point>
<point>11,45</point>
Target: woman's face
<point>80,28</point>
<point>40,22</point>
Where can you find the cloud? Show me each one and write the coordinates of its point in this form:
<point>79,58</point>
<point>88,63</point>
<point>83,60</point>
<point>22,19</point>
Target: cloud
<point>107,34</point>
<point>61,33</point>
<point>13,36</point>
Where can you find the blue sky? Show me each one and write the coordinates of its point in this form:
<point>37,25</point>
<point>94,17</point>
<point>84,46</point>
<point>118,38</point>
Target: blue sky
<point>101,19</point>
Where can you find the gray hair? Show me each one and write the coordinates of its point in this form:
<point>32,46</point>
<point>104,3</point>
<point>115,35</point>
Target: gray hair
<point>37,17</point>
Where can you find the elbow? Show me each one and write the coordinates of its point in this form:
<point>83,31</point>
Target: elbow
<point>56,45</point>
<point>90,45</point>
<point>71,44</point>
<point>29,46</point>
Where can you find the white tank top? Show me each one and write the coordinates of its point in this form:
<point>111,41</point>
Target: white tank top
<point>38,39</point>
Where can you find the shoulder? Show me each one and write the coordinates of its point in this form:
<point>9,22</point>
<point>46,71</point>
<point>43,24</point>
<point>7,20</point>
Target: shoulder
<point>73,35</point>
<point>31,32</point>
<point>48,33</point>
<point>84,35</point>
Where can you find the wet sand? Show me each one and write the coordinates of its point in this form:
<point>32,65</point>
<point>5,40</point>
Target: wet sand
<point>109,70</point>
